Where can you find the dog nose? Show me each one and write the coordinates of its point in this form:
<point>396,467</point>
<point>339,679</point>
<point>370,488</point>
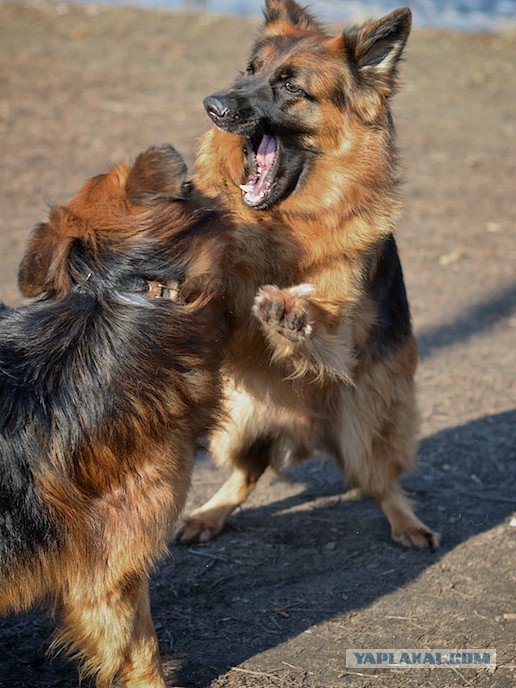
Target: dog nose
<point>215,107</point>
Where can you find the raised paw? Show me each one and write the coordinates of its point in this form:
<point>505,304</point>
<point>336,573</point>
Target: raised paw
<point>285,311</point>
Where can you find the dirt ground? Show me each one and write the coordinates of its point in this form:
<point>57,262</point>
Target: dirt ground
<point>302,574</point>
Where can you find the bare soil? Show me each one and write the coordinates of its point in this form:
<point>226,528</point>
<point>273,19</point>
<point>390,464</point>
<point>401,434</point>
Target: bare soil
<point>301,573</point>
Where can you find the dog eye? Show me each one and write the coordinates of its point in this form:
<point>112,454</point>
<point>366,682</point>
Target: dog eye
<point>292,88</point>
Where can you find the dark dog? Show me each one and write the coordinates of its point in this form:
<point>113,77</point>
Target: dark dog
<point>105,384</point>
<point>303,155</point>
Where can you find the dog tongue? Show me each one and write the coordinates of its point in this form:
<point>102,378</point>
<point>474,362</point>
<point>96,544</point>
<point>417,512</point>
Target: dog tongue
<point>266,151</point>
<point>258,186</point>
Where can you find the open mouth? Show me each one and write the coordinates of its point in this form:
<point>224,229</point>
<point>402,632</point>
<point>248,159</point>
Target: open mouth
<point>263,165</point>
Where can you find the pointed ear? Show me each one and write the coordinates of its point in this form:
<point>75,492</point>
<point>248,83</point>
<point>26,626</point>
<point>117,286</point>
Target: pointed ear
<point>45,265</point>
<point>290,12</point>
<point>159,171</point>
<point>376,48</point>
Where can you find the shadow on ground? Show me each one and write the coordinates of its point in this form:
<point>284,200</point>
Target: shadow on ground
<point>478,319</point>
<point>314,556</point>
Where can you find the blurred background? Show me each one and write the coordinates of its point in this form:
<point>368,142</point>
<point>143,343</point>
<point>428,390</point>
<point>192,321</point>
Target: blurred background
<point>470,15</point>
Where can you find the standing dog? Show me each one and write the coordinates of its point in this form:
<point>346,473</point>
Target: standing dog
<point>303,156</point>
<point>105,384</point>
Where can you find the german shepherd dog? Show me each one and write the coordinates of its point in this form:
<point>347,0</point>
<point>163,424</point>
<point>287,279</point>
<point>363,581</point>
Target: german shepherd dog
<point>106,381</point>
<point>303,157</point>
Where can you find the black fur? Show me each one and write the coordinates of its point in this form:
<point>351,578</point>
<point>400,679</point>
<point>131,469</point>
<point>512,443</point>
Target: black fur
<point>387,288</point>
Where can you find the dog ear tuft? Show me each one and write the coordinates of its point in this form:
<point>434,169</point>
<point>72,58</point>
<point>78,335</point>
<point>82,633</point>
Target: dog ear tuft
<point>159,171</point>
<point>376,47</point>
<point>374,50</point>
<point>33,269</point>
<point>289,11</point>
<point>45,265</point>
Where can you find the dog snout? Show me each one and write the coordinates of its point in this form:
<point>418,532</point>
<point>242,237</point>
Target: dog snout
<point>234,111</point>
<point>216,107</point>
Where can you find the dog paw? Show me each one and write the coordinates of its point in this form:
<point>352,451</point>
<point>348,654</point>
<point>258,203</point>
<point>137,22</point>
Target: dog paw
<point>196,529</point>
<point>285,311</point>
<point>418,538</point>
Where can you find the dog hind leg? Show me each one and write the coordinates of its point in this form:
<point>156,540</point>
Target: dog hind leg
<point>208,520</point>
<point>376,441</point>
<point>254,437</point>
